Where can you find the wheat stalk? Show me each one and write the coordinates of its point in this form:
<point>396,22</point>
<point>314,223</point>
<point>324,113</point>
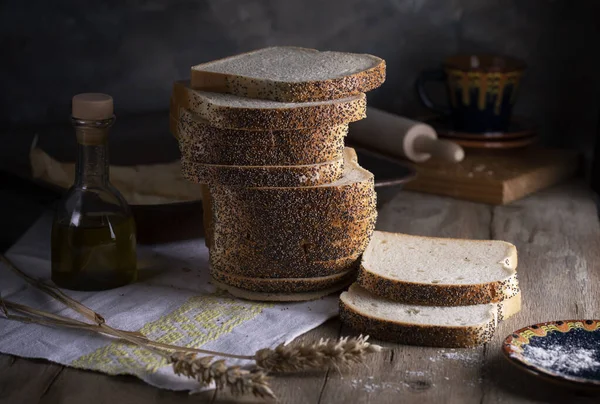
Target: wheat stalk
<point>284,358</point>
<point>317,355</point>
<point>206,370</point>
<point>203,369</point>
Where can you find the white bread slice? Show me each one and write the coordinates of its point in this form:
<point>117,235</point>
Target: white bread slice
<point>230,111</point>
<point>207,144</point>
<point>291,74</point>
<point>439,326</point>
<point>283,285</point>
<point>439,271</point>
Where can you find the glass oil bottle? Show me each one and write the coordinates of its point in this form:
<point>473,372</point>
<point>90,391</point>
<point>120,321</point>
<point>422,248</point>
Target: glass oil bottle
<point>93,231</point>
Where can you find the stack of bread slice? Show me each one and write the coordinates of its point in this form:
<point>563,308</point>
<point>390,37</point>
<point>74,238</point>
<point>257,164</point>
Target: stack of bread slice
<point>433,291</point>
<point>288,209</point>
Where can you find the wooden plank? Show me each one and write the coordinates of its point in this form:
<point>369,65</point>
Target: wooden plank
<point>416,374</point>
<point>25,381</point>
<point>77,386</point>
<point>557,235</point>
<point>495,177</point>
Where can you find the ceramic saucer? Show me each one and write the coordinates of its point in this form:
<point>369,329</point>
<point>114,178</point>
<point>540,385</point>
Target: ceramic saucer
<point>565,351</point>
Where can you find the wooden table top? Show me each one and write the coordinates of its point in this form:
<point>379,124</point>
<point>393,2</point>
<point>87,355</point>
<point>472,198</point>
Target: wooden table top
<point>557,234</point>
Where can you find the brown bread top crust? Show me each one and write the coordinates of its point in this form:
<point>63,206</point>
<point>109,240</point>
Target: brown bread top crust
<point>241,113</point>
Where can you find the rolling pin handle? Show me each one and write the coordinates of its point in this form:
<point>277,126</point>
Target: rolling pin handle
<point>442,149</point>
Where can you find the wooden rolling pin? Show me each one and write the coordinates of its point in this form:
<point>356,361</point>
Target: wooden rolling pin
<point>394,135</point>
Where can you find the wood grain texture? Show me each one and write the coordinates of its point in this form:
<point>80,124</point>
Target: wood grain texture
<point>413,374</point>
<point>496,178</point>
<point>557,234</point>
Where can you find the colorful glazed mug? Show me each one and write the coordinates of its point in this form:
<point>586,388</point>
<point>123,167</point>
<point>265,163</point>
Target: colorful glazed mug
<point>482,90</point>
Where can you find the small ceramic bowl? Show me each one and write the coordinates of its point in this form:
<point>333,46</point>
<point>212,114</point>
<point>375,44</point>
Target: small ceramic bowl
<point>566,351</point>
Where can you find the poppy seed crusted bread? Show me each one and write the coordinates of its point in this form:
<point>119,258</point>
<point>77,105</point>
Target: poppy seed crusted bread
<point>260,267</point>
<point>279,296</point>
<point>439,271</point>
<point>350,198</point>
<point>438,326</point>
<point>301,241</point>
<point>261,176</point>
<point>230,111</point>
<point>291,74</point>
<point>293,232</point>
<point>210,145</point>
<point>283,285</point>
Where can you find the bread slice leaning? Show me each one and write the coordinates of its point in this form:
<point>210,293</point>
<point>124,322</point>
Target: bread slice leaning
<point>231,111</point>
<point>439,271</point>
<point>291,74</point>
<point>438,326</point>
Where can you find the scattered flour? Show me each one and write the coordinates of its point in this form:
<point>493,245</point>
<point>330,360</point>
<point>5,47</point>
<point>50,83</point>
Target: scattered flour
<point>369,386</point>
<point>470,357</point>
<point>561,359</point>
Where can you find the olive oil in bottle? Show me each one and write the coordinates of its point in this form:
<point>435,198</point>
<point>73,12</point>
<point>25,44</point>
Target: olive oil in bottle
<point>93,232</point>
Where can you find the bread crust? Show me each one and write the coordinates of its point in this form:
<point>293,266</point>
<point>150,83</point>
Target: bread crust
<point>278,297</point>
<point>282,285</point>
<point>284,117</point>
<point>207,144</point>
<point>438,295</point>
<point>261,176</point>
<point>259,267</point>
<point>294,241</point>
<point>305,91</point>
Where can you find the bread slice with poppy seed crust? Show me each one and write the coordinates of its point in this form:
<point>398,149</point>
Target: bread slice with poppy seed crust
<point>298,241</point>
<point>261,176</point>
<point>439,271</point>
<point>283,285</point>
<point>208,144</point>
<point>230,111</point>
<point>349,199</point>
<point>260,267</point>
<point>291,74</point>
<point>279,296</point>
<point>437,326</point>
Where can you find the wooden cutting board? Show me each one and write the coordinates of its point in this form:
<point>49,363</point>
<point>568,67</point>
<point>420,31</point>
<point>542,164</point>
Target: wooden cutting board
<point>496,178</point>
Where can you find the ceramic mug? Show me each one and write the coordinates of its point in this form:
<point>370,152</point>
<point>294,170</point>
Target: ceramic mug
<point>482,90</point>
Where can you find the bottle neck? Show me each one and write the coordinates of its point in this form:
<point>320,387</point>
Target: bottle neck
<point>92,152</point>
<point>92,165</point>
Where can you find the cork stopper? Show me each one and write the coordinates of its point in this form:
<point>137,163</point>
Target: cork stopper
<point>92,106</point>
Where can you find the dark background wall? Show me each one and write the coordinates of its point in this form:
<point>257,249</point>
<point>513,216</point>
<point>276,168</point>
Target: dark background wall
<point>134,49</point>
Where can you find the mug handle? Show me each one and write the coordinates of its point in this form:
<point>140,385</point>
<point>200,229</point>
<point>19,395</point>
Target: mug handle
<point>424,77</point>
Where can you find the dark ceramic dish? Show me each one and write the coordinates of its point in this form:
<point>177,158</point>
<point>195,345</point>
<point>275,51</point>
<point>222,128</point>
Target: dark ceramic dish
<point>390,174</point>
<point>566,352</point>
